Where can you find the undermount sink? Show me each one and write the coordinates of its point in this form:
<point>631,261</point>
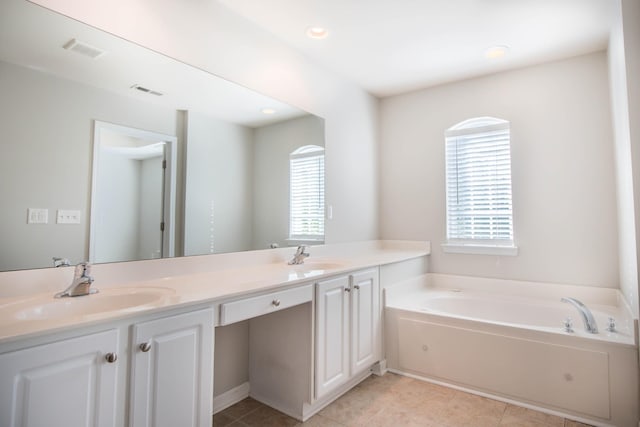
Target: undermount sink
<point>127,299</point>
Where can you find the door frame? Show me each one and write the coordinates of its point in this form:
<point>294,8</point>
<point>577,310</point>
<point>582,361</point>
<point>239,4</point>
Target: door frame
<point>169,191</point>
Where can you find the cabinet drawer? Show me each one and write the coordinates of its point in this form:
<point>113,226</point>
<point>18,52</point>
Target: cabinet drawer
<point>264,304</point>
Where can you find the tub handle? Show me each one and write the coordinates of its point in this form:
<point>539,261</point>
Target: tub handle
<point>611,324</point>
<point>568,324</point>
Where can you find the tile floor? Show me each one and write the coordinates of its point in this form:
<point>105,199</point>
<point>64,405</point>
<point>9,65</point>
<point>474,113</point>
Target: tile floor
<point>397,401</point>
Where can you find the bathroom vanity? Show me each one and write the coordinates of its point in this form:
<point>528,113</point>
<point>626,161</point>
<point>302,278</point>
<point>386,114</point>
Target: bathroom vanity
<point>141,352</point>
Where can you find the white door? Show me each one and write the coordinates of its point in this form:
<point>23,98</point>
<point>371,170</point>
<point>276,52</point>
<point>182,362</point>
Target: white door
<point>65,383</point>
<point>172,371</point>
<point>365,320</point>
<point>332,334</point>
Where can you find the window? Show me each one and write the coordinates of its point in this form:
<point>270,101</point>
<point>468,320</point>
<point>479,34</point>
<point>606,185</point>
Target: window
<point>478,175</point>
<point>306,193</point>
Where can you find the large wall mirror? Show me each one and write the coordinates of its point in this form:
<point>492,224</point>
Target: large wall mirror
<point>61,80</point>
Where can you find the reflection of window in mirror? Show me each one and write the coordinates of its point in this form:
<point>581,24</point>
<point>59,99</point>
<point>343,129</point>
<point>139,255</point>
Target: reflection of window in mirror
<point>306,194</point>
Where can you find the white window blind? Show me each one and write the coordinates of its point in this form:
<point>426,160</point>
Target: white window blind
<point>306,194</point>
<point>478,175</point>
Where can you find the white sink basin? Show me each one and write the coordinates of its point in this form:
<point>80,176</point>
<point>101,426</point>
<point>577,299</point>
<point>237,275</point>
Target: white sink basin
<point>312,268</point>
<point>127,299</point>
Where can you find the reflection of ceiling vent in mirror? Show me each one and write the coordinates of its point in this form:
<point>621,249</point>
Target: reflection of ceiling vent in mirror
<point>146,90</point>
<point>82,48</point>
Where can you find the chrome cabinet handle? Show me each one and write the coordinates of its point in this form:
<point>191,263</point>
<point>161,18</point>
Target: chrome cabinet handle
<point>347,289</point>
<point>356,286</point>
<point>145,347</point>
<point>111,357</point>
<point>275,302</point>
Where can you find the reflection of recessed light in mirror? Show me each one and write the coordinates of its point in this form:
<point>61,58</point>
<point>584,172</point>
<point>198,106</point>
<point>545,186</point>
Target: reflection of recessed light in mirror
<point>496,52</point>
<point>268,111</point>
<point>317,32</point>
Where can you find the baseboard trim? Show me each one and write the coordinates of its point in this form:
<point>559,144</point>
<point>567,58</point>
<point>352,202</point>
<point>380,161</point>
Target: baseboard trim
<point>231,397</point>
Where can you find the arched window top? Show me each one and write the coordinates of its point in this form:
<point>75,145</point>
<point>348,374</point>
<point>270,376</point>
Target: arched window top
<point>308,149</point>
<point>477,125</point>
<point>477,122</point>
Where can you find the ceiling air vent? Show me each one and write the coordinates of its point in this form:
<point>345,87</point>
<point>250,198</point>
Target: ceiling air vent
<point>82,48</point>
<point>146,90</point>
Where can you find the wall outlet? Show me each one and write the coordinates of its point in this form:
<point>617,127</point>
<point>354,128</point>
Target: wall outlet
<point>68,217</point>
<point>37,216</point>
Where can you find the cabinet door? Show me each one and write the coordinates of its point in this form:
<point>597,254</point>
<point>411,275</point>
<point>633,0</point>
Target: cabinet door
<point>65,383</point>
<point>332,334</point>
<point>172,371</point>
<point>365,320</point>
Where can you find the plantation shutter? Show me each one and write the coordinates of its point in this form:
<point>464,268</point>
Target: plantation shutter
<point>306,209</point>
<point>478,175</point>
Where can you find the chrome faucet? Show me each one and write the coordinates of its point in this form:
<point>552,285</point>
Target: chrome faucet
<point>587,317</point>
<point>81,283</point>
<point>299,256</point>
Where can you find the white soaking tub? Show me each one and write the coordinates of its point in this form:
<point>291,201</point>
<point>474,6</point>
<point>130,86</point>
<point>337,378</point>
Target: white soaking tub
<point>507,339</point>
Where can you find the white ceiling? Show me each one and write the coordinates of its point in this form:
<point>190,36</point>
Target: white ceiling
<point>394,46</point>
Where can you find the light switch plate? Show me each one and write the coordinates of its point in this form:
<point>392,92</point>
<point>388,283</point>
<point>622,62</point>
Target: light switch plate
<point>37,216</point>
<point>68,217</point>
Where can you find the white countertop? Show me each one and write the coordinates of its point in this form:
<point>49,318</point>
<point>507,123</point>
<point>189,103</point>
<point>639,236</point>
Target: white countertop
<point>28,308</point>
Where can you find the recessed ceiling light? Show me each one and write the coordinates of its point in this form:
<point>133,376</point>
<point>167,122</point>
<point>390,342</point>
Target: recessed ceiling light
<point>317,32</point>
<point>268,111</point>
<point>496,52</point>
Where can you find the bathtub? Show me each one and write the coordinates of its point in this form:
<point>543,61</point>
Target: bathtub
<point>507,340</point>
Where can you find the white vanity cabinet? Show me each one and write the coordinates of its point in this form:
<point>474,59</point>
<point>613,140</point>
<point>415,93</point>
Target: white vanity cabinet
<point>85,380</point>
<point>172,371</point>
<point>71,382</point>
<point>347,332</point>
<point>303,357</point>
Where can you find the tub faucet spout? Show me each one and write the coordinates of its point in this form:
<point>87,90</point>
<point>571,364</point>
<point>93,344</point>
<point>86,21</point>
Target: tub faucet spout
<point>587,316</point>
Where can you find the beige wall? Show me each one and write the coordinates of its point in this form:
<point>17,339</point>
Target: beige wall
<point>631,30</point>
<point>562,170</point>
<point>628,265</point>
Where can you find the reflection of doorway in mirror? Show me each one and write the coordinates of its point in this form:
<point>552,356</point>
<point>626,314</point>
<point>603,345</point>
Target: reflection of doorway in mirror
<point>132,194</point>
